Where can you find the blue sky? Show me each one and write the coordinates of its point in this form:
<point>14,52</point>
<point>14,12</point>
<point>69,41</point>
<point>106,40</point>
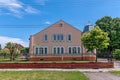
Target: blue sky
<point>21,18</point>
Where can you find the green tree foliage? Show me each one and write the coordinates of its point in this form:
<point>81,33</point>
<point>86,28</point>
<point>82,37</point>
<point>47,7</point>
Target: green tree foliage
<point>116,54</point>
<point>24,50</point>
<point>11,47</point>
<point>5,53</point>
<point>0,47</point>
<point>95,39</point>
<point>112,27</point>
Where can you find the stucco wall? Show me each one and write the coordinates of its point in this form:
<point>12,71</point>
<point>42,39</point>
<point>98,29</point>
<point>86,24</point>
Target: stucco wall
<point>37,39</point>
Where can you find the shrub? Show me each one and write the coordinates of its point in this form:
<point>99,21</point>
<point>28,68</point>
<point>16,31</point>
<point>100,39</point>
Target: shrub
<point>116,54</point>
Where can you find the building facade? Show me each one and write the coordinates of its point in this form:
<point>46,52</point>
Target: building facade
<point>60,41</point>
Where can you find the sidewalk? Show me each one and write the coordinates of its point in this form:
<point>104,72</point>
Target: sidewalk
<point>101,76</point>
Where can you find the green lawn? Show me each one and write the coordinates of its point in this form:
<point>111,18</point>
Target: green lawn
<point>26,61</point>
<point>42,75</point>
<point>116,72</point>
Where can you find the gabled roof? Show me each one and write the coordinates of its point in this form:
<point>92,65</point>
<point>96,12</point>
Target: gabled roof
<point>60,21</point>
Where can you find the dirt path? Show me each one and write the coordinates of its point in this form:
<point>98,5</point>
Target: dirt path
<point>101,76</point>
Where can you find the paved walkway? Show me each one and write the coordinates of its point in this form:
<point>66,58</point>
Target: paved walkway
<point>101,76</point>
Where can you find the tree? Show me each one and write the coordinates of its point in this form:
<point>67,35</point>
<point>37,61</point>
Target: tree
<point>11,47</point>
<point>95,39</point>
<point>116,54</point>
<point>25,52</point>
<point>5,53</point>
<point>112,27</point>
<point>0,47</point>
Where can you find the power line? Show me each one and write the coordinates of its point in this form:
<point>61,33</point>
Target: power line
<point>22,26</point>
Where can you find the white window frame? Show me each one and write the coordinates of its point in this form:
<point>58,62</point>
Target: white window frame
<point>76,49</point>
<point>44,37</point>
<point>59,37</point>
<point>40,51</point>
<point>57,50</point>
<point>68,38</point>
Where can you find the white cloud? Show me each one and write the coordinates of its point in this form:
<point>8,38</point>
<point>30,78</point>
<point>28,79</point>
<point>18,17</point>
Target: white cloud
<point>48,22</point>
<point>40,2</point>
<point>16,7</point>
<point>31,10</point>
<point>5,39</point>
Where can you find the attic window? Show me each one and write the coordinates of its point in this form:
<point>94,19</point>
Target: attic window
<point>60,24</point>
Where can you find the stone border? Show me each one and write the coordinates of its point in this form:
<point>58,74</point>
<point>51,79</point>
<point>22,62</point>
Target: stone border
<point>58,65</point>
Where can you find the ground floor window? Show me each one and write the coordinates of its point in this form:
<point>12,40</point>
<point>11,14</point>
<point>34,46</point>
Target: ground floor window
<point>74,49</point>
<point>40,50</point>
<point>58,50</point>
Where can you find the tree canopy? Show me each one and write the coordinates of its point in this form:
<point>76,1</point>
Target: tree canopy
<point>95,39</point>
<point>112,27</point>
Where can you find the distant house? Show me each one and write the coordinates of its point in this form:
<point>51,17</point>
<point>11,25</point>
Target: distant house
<point>18,47</point>
<point>60,41</point>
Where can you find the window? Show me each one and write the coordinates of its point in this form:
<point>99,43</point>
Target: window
<point>74,50</point>
<point>79,51</point>
<point>46,51</point>
<point>61,37</point>
<point>36,51</point>
<point>41,50</point>
<point>70,51</point>
<point>62,50</point>
<point>58,37</point>
<point>54,37</point>
<point>60,24</point>
<point>69,38</point>
<point>45,38</point>
<point>58,50</point>
<point>54,50</point>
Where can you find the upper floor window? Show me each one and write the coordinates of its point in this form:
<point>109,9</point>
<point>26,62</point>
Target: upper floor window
<point>45,38</point>
<point>60,24</point>
<point>69,38</point>
<point>58,37</point>
<point>61,37</point>
<point>54,37</point>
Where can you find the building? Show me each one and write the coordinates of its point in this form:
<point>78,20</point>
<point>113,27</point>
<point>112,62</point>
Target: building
<point>60,41</point>
<point>88,27</point>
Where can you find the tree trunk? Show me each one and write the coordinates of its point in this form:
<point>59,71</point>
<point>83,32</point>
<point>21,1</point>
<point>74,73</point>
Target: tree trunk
<point>12,57</point>
<point>94,52</point>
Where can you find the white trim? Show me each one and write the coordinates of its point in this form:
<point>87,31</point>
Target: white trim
<point>39,50</point>
<point>68,38</point>
<point>58,37</point>
<point>56,47</point>
<point>76,49</point>
<point>44,37</point>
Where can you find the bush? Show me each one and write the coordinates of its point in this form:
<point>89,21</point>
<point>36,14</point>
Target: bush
<point>116,54</point>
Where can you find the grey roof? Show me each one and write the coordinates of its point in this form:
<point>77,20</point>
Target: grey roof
<point>88,27</point>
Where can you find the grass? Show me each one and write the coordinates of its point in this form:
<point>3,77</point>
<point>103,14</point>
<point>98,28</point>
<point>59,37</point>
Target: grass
<point>25,61</point>
<point>42,75</point>
<point>116,72</point>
